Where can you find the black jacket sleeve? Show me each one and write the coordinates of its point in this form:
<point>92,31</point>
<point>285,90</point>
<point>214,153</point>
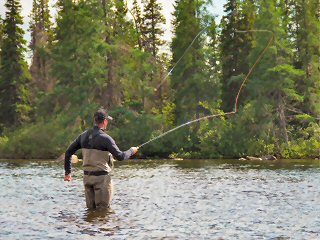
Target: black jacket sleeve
<point>76,145</point>
<point>116,152</point>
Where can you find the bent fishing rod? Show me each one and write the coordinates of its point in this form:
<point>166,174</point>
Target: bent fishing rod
<point>238,94</point>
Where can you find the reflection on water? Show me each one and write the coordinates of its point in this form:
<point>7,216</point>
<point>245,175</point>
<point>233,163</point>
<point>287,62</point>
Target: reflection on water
<point>165,199</point>
<point>98,215</point>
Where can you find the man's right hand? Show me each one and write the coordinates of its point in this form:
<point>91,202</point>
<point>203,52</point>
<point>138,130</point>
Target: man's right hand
<point>134,149</point>
<point>67,178</point>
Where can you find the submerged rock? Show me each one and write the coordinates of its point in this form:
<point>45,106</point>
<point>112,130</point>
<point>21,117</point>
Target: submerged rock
<point>267,157</point>
<point>254,158</point>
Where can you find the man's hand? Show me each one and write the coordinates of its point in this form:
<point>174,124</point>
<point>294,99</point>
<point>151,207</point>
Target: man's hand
<point>134,150</point>
<point>67,178</point>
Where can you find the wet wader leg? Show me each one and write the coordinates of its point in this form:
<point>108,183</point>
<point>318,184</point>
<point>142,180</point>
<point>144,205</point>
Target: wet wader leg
<point>89,192</point>
<point>103,192</point>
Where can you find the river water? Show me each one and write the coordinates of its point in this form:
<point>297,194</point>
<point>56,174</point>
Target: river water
<point>165,199</point>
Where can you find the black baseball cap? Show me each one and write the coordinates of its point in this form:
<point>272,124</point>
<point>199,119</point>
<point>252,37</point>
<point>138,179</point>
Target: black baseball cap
<point>101,114</point>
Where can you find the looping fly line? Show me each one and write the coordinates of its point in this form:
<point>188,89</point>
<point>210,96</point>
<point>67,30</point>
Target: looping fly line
<point>239,91</point>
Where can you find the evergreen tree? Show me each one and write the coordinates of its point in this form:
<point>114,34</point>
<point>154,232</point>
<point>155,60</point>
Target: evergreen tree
<point>41,37</point>
<point>120,36</point>
<point>78,52</point>
<point>14,75</point>
<point>1,36</point>
<point>120,23</point>
<point>109,93</point>
<point>308,52</point>
<point>152,29</point>
<point>191,82</point>
<point>213,49</point>
<point>235,47</point>
<point>273,85</point>
<point>137,15</point>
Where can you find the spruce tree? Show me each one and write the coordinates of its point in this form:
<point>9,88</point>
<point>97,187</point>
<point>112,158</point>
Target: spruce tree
<point>109,93</point>
<point>235,47</point>
<point>308,52</point>
<point>137,15</point>
<point>78,52</point>
<point>14,75</point>
<point>1,36</point>
<point>213,49</point>
<point>273,83</point>
<point>120,23</point>
<point>41,37</point>
<point>152,31</point>
<point>119,37</point>
<point>152,27</point>
<point>190,80</point>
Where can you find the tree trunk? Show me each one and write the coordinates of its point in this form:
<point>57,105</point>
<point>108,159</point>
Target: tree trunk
<point>282,120</point>
<point>110,96</point>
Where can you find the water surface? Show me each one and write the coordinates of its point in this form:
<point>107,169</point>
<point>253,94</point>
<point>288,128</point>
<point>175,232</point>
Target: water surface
<point>165,199</point>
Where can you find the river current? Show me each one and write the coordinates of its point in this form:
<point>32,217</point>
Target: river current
<point>165,199</point>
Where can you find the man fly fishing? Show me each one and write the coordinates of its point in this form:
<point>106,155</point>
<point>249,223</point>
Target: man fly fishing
<point>98,149</point>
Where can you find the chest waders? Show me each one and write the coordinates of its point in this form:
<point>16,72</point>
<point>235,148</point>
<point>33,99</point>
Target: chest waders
<point>97,166</point>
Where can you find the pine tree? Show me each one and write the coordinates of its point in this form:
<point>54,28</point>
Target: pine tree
<point>213,49</point>
<point>14,75</point>
<point>273,84</point>
<point>152,31</point>
<point>120,23</point>
<point>191,81</point>
<point>308,52</point>
<point>120,37</point>
<point>110,94</point>
<point>152,27</point>
<point>41,37</point>
<point>1,36</point>
<point>78,52</point>
<point>137,15</point>
<point>235,47</point>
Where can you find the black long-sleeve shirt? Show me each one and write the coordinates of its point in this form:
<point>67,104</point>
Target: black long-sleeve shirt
<point>94,138</point>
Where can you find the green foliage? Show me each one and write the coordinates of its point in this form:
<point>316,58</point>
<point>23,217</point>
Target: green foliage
<point>306,146</point>
<point>151,28</point>
<point>41,38</point>
<point>235,47</point>
<point>78,53</point>
<point>97,56</point>
<point>1,36</point>
<point>192,79</point>
<point>14,75</point>
<point>137,87</point>
<point>50,137</point>
<point>308,52</point>
<point>136,13</point>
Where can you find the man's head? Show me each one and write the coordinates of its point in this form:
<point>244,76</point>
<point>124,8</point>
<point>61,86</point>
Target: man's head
<point>101,118</point>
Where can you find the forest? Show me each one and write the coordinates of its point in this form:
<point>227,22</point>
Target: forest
<point>102,53</point>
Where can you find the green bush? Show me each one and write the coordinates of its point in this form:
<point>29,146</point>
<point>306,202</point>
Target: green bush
<point>306,146</point>
<point>41,140</point>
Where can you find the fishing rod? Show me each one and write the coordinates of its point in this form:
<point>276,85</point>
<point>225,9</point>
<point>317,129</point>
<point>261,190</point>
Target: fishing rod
<point>239,91</point>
